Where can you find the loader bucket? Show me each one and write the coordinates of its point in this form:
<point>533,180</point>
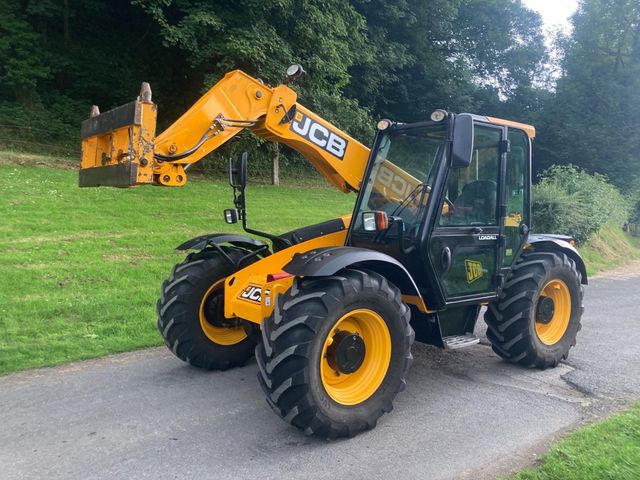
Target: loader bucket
<point>118,145</point>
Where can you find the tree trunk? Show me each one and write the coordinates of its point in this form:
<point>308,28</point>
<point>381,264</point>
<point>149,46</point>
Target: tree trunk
<point>275,172</point>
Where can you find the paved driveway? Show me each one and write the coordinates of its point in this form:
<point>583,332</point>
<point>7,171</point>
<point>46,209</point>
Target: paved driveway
<point>465,414</point>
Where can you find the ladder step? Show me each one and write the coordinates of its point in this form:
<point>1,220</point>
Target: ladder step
<point>460,341</point>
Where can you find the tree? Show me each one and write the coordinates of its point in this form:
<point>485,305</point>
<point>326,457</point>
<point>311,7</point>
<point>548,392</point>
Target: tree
<point>594,118</point>
<point>366,59</point>
<point>22,64</point>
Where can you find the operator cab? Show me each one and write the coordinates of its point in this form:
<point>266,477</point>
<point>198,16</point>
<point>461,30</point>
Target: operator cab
<point>448,198</point>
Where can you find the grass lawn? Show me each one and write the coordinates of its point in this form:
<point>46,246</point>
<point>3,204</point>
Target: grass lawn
<point>603,451</point>
<point>80,269</point>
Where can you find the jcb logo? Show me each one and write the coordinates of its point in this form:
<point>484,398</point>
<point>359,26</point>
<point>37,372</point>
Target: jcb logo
<point>252,294</point>
<point>399,186</point>
<point>474,270</point>
<point>319,135</point>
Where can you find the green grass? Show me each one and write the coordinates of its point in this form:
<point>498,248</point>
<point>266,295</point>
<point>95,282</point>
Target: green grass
<point>606,450</point>
<point>80,269</point>
<point>609,248</point>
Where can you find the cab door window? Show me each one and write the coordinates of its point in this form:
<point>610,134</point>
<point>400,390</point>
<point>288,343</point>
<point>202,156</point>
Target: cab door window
<point>472,192</point>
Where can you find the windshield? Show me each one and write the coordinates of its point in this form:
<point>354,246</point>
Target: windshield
<point>403,174</point>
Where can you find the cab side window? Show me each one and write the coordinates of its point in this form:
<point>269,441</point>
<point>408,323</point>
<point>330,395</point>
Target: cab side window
<point>472,192</point>
<point>516,189</point>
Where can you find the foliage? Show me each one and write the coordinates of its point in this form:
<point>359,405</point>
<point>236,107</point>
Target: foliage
<point>568,200</point>
<point>593,120</point>
<point>365,59</point>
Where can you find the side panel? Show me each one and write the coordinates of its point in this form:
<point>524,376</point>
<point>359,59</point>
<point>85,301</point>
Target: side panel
<point>248,294</point>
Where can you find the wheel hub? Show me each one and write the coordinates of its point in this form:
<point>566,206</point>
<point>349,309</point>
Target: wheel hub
<point>346,352</point>
<point>545,310</point>
<point>213,310</point>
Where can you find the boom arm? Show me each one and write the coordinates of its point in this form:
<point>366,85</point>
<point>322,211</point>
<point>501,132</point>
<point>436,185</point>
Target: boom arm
<point>119,149</point>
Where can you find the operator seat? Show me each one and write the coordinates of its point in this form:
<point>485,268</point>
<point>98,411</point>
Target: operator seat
<point>476,203</point>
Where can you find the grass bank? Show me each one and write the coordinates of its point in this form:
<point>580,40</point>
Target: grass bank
<point>80,269</point>
<point>609,248</point>
<point>606,450</point>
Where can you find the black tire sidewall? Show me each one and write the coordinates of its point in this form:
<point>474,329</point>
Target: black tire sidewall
<point>204,269</point>
<point>216,270</point>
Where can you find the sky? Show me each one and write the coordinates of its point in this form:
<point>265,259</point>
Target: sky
<point>555,13</point>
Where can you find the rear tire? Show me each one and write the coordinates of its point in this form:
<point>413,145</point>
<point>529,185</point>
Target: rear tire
<point>190,313</point>
<point>524,326</point>
<point>309,381</point>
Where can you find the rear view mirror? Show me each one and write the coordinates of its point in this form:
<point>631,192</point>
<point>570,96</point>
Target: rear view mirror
<point>462,150</point>
<point>238,171</point>
<point>376,221</point>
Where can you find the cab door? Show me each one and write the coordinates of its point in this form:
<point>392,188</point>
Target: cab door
<point>465,242</point>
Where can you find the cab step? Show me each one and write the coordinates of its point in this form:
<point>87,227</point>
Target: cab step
<point>460,341</point>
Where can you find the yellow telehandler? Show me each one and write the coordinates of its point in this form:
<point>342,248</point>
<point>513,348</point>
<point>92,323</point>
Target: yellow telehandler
<point>440,228</point>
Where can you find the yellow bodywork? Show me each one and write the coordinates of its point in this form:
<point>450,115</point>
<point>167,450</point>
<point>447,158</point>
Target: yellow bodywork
<point>528,129</point>
<point>255,276</point>
<point>236,102</point>
<point>130,143</point>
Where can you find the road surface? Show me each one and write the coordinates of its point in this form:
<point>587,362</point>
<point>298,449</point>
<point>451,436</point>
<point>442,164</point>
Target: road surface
<point>465,413</point>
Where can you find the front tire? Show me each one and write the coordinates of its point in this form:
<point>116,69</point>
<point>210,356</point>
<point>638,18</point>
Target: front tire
<point>335,352</point>
<point>537,318</point>
<point>191,313</point>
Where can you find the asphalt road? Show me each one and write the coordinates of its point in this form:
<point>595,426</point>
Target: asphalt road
<point>465,414</point>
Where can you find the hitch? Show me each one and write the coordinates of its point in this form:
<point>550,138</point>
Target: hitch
<point>118,145</point>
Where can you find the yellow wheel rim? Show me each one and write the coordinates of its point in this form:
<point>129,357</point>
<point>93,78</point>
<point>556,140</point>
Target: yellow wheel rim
<point>354,388</point>
<point>550,333</point>
<point>219,335</point>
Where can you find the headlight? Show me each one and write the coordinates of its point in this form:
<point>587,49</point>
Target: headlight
<point>439,115</point>
<point>383,124</point>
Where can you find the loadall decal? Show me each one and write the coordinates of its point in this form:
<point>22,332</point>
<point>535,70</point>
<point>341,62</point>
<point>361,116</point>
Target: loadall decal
<point>487,237</point>
<point>252,293</point>
<point>319,135</point>
<point>473,269</point>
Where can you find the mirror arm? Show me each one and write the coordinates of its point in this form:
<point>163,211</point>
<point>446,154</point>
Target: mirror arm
<point>239,200</point>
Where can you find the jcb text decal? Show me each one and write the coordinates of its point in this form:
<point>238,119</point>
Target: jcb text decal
<point>319,135</point>
<point>397,186</point>
<point>474,270</point>
<point>252,294</point>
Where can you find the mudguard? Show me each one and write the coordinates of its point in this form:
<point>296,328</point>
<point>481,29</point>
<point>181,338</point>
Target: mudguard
<point>559,243</point>
<point>327,261</point>
<point>198,243</point>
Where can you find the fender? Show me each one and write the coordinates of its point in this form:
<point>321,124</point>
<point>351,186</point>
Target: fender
<point>559,243</point>
<point>326,261</point>
<point>198,243</point>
